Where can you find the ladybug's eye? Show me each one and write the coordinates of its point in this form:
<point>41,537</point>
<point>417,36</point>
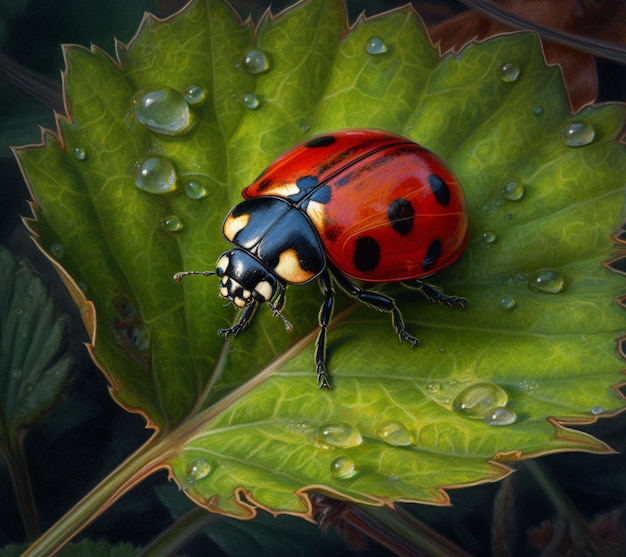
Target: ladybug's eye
<point>222,265</point>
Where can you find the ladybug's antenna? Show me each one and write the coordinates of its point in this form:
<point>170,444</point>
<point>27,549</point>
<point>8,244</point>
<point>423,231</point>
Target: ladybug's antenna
<point>276,311</point>
<point>179,276</point>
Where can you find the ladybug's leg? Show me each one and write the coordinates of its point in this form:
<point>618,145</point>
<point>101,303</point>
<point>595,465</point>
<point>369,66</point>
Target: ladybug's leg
<point>380,302</point>
<point>434,294</point>
<point>246,315</point>
<point>325,315</point>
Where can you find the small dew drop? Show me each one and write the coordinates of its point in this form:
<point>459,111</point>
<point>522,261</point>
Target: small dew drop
<point>507,302</point>
<point>538,111</point>
<point>476,400</point>
<point>172,223</point>
<point>250,101</point>
<point>16,373</point>
<point>394,433</point>
<point>163,111</point>
<point>338,435</point>
<point>500,416</point>
<point>433,388</point>
<point>194,189</point>
<point>57,250</point>
<point>577,133</point>
<point>343,468</point>
<point>548,281</point>
<point>195,94</point>
<point>155,174</point>
<point>80,154</point>
<point>513,191</point>
<point>197,470</point>
<point>488,237</point>
<point>375,46</point>
<point>255,61</point>
<point>508,72</point>
<point>597,410</point>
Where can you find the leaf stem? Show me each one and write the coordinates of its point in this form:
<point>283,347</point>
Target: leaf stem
<point>146,460</point>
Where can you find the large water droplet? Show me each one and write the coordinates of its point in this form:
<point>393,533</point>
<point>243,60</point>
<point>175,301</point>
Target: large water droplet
<point>255,61</point>
<point>155,174</point>
<point>163,111</point>
<point>500,416</point>
<point>513,191</point>
<point>197,470</point>
<point>194,189</point>
<point>57,250</point>
<point>507,303</point>
<point>172,223</point>
<point>343,468</point>
<point>477,399</point>
<point>488,237</point>
<point>80,154</point>
<point>577,133</point>
<point>549,281</point>
<point>394,433</point>
<point>509,72</point>
<point>375,46</point>
<point>338,435</point>
<point>195,94</point>
<point>250,101</point>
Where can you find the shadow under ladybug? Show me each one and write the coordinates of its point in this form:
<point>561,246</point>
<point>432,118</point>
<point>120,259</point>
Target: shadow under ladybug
<point>352,205</point>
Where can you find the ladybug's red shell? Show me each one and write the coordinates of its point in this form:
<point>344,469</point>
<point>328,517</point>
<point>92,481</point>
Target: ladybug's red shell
<point>386,209</point>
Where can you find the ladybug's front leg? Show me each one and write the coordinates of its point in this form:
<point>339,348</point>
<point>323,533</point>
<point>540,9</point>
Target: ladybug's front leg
<point>246,315</point>
<point>381,303</point>
<point>325,315</point>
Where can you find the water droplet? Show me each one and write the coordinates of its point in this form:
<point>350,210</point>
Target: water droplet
<point>255,61</point>
<point>303,123</point>
<point>597,410</point>
<point>500,416</point>
<point>343,468</point>
<point>538,111</point>
<point>577,133</point>
<point>375,46</point>
<point>57,250</point>
<point>29,387</point>
<point>194,189</point>
<point>513,191</point>
<point>549,281</point>
<point>172,223</point>
<point>16,373</point>
<point>338,435</point>
<point>507,302</point>
<point>163,111</point>
<point>155,174</point>
<point>477,399</point>
<point>509,72</point>
<point>197,470</point>
<point>433,388</point>
<point>18,310</point>
<point>80,154</point>
<point>394,433</point>
<point>250,101</point>
<point>195,94</point>
<point>488,237</point>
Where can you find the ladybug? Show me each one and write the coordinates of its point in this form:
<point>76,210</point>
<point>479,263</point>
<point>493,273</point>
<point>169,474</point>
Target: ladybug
<point>353,205</point>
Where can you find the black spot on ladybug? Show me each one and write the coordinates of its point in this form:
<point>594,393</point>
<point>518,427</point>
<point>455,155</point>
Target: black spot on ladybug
<point>440,189</point>
<point>366,254</point>
<point>322,195</point>
<point>306,183</point>
<point>332,231</point>
<point>401,215</point>
<point>264,184</point>
<point>322,141</point>
<point>432,254</point>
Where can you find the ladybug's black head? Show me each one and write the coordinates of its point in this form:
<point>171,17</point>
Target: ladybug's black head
<point>243,279</point>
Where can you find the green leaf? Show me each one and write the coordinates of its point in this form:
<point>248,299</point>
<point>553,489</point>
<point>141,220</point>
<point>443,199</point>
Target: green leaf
<point>240,423</point>
<point>34,368</point>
